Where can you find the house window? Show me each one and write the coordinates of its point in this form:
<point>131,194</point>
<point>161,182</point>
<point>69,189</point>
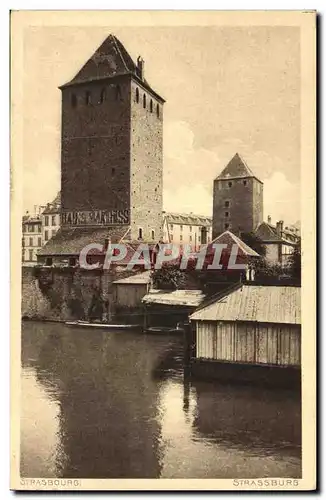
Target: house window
<point>190,229</point>
<point>39,241</point>
<point>140,233</point>
<point>88,97</point>
<point>137,95</point>
<point>30,228</point>
<point>103,96</point>
<point>72,261</point>
<point>30,254</point>
<point>48,261</point>
<point>53,220</point>
<point>54,232</point>
<point>153,234</point>
<point>46,222</point>
<point>199,238</point>
<point>230,184</point>
<point>181,229</point>
<point>181,237</point>
<point>244,183</point>
<point>226,226</point>
<point>190,238</point>
<point>31,242</point>
<point>171,237</point>
<point>227,204</point>
<point>39,229</point>
<point>46,235</point>
<point>151,106</point>
<point>144,101</point>
<point>171,227</point>
<point>157,110</point>
<point>73,100</point>
<point>226,214</point>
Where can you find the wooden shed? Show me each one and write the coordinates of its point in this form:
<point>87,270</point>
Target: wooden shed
<point>130,291</point>
<point>257,326</point>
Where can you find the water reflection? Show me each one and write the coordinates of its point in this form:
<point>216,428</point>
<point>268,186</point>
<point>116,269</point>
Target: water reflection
<point>117,404</point>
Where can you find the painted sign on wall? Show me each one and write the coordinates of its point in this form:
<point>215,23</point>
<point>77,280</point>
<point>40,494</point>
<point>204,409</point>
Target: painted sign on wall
<point>95,218</point>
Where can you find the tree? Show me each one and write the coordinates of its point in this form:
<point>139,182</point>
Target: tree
<point>169,277</point>
<point>254,242</point>
<point>294,263</point>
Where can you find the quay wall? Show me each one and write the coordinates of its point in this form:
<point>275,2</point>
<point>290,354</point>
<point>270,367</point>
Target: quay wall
<point>63,294</point>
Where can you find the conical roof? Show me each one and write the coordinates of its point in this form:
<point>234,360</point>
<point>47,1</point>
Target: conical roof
<point>236,167</point>
<point>109,60</point>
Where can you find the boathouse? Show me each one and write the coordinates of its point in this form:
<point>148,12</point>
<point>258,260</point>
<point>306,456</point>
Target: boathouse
<point>167,308</point>
<point>251,332</point>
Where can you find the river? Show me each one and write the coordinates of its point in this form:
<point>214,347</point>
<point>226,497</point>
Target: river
<point>101,404</point>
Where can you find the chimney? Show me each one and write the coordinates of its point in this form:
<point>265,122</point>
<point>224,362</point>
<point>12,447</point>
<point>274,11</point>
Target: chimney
<point>269,219</point>
<point>279,228</point>
<point>140,67</point>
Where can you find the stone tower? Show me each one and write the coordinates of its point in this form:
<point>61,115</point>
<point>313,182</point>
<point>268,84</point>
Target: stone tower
<point>237,199</point>
<point>111,155</point>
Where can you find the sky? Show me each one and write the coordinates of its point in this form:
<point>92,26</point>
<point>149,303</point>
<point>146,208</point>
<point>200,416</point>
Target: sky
<point>227,90</point>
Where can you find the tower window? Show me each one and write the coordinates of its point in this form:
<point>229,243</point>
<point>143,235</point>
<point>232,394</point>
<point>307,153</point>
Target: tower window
<point>227,204</point>
<point>144,101</point>
<point>230,184</point>
<point>226,226</point>
<point>151,106</point>
<point>226,214</point>
<point>137,95</point>
<point>153,234</point>
<point>157,110</point>
<point>103,95</point>
<point>113,170</point>
<point>88,97</point>
<point>244,183</point>
<point>73,100</point>
<point>140,233</point>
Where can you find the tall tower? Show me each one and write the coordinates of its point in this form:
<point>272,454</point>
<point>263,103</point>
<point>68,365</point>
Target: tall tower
<point>237,199</point>
<point>111,156</point>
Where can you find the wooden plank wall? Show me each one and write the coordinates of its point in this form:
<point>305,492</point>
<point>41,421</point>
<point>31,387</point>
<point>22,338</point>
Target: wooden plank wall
<point>255,343</point>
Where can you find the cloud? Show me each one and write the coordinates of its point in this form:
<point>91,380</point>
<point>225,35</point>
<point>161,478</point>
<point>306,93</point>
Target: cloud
<point>281,198</point>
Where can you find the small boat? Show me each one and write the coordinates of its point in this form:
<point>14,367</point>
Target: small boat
<point>109,326</point>
<point>164,330</point>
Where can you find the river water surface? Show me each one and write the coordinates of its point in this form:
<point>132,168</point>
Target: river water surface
<point>100,404</point>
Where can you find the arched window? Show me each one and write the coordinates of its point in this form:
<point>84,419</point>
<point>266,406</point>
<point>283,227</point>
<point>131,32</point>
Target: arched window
<point>118,92</point>
<point>103,96</point>
<point>151,106</point>
<point>140,233</point>
<point>73,100</point>
<point>144,101</point>
<point>88,97</point>
<point>137,95</point>
<point>157,110</point>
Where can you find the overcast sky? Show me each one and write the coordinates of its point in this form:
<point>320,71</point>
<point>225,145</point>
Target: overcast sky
<point>227,89</point>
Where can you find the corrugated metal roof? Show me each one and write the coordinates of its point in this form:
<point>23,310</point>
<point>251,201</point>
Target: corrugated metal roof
<point>175,298</point>
<point>135,279</point>
<point>265,304</point>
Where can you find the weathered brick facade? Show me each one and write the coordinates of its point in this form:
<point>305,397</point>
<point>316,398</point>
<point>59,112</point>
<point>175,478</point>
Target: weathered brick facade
<point>112,135</point>
<point>237,199</point>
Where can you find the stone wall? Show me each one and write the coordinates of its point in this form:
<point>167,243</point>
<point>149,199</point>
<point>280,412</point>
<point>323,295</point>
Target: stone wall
<point>67,293</point>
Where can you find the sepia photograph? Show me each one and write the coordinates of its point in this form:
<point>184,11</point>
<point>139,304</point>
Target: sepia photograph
<point>163,221</point>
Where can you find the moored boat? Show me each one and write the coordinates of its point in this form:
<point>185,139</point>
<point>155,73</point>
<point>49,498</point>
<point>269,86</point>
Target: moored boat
<point>109,326</point>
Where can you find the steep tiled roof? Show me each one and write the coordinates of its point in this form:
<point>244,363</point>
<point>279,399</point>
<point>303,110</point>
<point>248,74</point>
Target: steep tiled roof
<point>187,219</point>
<point>231,239</point>
<point>265,304</point>
<point>111,59</point>
<point>268,233</point>
<point>236,167</point>
<point>72,241</point>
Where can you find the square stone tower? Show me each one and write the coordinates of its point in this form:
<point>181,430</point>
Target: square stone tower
<point>111,154</point>
<point>237,199</point>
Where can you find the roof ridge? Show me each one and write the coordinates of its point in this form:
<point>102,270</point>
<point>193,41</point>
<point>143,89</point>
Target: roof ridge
<point>120,53</point>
